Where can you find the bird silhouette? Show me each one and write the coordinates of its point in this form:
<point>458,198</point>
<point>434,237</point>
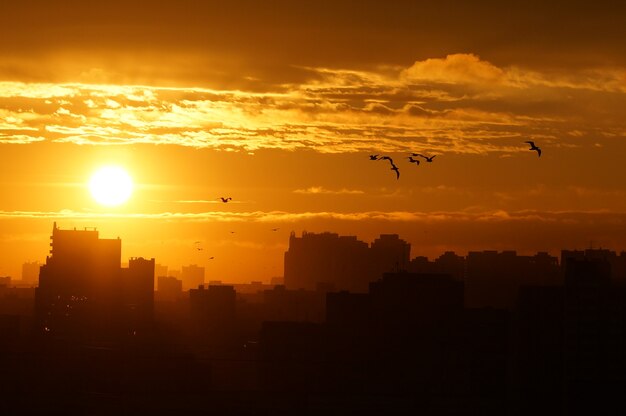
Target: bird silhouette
<point>394,167</point>
<point>224,200</point>
<point>534,147</point>
<point>211,258</point>
<point>275,229</point>
<point>199,248</point>
<point>232,232</point>
<point>373,157</point>
<point>428,159</point>
<point>417,162</point>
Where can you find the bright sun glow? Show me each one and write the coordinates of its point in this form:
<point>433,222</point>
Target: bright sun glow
<point>111,186</point>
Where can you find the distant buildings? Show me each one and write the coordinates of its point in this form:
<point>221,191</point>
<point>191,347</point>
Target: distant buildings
<point>570,338</point>
<point>389,253</point>
<point>616,261</point>
<point>169,288</point>
<point>282,304</point>
<point>494,278</point>
<point>192,276</point>
<point>213,311</point>
<point>160,270</point>
<point>448,263</point>
<point>492,333</point>
<point>30,272</point>
<point>138,291</point>
<point>343,261</point>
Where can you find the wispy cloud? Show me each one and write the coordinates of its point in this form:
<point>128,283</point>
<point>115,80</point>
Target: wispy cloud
<point>391,216</point>
<point>316,190</point>
<point>458,103</point>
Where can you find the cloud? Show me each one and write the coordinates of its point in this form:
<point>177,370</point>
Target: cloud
<point>19,139</point>
<point>469,69</point>
<point>454,69</point>
<point>453,104</point>
<point>493,216</point>
<point>316,190</point>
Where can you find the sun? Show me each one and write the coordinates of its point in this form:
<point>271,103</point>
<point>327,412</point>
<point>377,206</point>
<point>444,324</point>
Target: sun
<point>111,186</point>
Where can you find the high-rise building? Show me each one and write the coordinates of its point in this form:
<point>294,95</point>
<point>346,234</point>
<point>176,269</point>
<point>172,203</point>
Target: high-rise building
<point>214,312</point>
<point>83,290</point>
<point>160,270</point>
<point>138,291</point>
<point>493,278</point>
<point>30,272</point>
<point>192,276</point>
<point>169,288</point>
<point>342,261</point>
<point>78,281</point>
<point>389,254</point>
<point>617,262</point>
<point>326,257</point>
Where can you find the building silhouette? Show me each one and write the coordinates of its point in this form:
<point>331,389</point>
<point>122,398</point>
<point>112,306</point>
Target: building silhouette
<point>192,276</point>
<point>494,278</point>
<point>326,257</point>
<point>448,263</point>
<point>160,270</point>
<point>389,253</point>
<point>30,272</point>
<point>5,281</point>
<point>569,340</point>
<point>213,311</point>
<point>494,333</point>
<point>79,282</point>
<point>169,288</point>
<point>83,291</point>
<point>138,293</point>
<point>341,262</point>
<point>616,261</point>
<point>282,304</point>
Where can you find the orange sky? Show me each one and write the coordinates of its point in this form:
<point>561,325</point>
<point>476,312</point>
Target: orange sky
<point>278,104</point>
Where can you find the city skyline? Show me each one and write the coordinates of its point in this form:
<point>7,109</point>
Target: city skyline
<point>279,108</point>
<point>490,333</point>
<point>363,261</point>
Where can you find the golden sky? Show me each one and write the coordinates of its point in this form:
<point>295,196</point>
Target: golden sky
<point>278,104</point>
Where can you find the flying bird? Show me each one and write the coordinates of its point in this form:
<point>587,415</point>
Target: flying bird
<point>373,157</point>
<point>428,159</point>
<point>211,258</point>
<point>393,165</point>
<point>417,162</point>
<point>224,200</point>
<point>199,248</point>
<point>275,229</point>
<point>534,147</point>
